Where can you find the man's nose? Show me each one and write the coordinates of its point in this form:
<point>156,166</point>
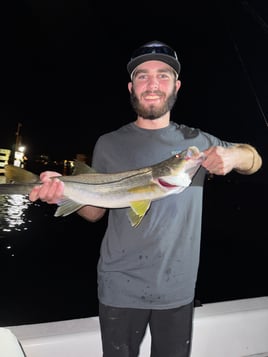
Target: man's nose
<point>153,82</point>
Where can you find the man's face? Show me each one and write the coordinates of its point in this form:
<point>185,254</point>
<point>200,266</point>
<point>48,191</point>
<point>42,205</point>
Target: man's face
<point>153,90</point>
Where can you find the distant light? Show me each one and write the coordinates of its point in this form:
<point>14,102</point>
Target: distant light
<point>21,148</point>
<point>19,156</point>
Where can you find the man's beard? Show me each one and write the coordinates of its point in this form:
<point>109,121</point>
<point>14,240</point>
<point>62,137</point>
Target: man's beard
<point>152,112</point>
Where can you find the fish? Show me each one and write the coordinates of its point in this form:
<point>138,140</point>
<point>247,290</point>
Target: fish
<point>135,189</point>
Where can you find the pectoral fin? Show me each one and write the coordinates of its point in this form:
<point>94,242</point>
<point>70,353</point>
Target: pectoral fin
<point>137,211</point>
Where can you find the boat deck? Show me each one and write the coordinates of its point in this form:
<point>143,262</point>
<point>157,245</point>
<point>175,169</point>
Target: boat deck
<point>237,328</point>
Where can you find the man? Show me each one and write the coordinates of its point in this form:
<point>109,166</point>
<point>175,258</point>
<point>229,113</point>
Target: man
<point>147,274</point>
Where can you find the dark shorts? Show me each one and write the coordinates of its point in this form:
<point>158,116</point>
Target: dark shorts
<point>123,329</point>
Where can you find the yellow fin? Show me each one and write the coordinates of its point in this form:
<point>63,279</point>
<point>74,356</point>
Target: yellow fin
<point>137,211</point>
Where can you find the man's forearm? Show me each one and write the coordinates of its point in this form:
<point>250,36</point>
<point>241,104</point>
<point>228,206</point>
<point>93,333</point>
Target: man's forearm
<point>249,159</point>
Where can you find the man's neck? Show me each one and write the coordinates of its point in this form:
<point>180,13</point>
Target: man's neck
<point>153,124</point>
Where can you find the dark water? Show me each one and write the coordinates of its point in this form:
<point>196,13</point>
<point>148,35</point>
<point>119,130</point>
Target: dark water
<point>48,264</point>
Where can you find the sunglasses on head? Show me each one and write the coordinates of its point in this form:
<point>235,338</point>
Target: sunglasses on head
<point>160,49</point>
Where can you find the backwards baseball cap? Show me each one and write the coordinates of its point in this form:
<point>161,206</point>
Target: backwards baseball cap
<point>154,51</point>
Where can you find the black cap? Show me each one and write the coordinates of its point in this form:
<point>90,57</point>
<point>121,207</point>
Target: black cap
<point>154,51</point>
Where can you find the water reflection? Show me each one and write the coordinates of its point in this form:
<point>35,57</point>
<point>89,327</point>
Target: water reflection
<point>48,268</point>
<point>12,213</point>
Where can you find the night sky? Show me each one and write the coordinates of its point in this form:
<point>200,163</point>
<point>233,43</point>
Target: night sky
<point>64,72</point>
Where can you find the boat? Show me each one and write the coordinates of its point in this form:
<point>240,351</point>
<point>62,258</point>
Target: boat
<point>234,328</point>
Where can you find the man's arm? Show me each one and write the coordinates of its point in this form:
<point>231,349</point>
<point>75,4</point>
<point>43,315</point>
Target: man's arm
<point>243,158</point>
<point>91,213</point>
<point>247,165</point>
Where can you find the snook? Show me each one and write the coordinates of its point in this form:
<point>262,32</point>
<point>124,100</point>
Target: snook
<point>135,188</point>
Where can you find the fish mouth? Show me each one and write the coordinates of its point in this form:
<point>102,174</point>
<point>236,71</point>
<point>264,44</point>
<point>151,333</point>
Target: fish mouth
<point>166,184</point>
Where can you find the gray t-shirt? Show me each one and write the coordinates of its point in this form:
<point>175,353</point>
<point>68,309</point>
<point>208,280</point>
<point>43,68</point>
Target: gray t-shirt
<point>155,265</point>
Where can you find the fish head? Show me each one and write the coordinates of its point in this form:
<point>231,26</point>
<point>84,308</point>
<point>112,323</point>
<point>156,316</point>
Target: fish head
<point>178,170</point>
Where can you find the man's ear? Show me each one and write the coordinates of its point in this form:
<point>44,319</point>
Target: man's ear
<point>178,84</point>
<point>130,85</point>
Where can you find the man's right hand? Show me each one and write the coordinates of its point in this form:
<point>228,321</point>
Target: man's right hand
<point>50,191</point>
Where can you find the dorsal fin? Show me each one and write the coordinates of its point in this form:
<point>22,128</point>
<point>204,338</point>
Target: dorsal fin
<point>81,167</point>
